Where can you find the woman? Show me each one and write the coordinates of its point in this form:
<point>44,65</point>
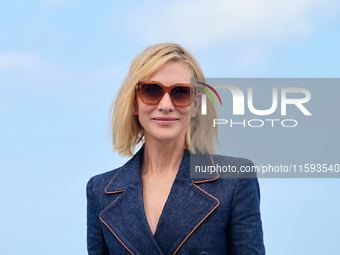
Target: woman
<point>151,205</point>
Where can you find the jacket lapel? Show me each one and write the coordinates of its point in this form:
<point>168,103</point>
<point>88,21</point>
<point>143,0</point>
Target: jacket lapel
<point>185,209</point>
<point>125,216</point>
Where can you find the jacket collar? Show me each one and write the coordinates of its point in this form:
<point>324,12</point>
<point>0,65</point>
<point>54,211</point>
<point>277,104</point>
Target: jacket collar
<point>130,172</point>
<point>187,206</point>
<point>126,175</point>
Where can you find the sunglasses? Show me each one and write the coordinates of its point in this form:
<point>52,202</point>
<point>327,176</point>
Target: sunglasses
<point>151,92</point>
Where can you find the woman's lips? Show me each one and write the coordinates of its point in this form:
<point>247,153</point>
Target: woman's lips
<point>165,121</point>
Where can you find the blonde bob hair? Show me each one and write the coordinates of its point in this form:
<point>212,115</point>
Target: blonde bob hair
<point>126,130</point>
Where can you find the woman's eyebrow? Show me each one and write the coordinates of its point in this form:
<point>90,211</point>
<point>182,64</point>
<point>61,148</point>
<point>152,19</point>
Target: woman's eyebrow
<point>156,82</point>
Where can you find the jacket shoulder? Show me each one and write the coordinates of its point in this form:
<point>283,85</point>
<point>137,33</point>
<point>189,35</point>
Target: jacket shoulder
<point>236,161</point>
<point>100,181</point>
<point>225,166</point>
<point>235,167</point>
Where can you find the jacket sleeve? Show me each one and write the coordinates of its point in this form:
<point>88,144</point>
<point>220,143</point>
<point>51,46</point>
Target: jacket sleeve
<point>244,229</point>
<point>96,244</point>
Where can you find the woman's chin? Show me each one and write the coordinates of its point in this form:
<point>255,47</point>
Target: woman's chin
<point>167,136</point>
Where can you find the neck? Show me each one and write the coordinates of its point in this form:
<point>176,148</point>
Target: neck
<point>162,158</point>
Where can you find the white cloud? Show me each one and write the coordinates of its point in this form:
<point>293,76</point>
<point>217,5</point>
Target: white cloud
<point>201,22</point>
<point>22,73</point>
<point>252,29</point>
<point>67,87</point>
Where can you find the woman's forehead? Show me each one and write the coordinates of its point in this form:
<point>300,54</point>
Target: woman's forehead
<point>172,72</point>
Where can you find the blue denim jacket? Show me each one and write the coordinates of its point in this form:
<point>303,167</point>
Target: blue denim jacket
<point>201,216</point>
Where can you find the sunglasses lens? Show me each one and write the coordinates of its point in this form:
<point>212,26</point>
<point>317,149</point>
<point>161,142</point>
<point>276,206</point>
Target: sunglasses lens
<point>181,95</point>
<point>151,93</point>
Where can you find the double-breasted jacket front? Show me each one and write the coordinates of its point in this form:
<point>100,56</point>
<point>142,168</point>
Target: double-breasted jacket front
<point>210,215</point>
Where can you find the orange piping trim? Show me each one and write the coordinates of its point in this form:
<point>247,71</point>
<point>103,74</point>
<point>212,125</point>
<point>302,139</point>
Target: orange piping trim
<point>111,229</point>
<point>209,179</point>
<point>218,203</point>
<point>112,192</point>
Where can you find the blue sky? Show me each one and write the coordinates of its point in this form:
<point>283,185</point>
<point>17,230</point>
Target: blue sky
<point>61,63</point>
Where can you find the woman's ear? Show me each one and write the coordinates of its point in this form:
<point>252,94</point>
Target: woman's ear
<point>197,102</point>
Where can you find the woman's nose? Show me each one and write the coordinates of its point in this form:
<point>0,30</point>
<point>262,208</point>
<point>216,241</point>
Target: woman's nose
<point>166,104</point>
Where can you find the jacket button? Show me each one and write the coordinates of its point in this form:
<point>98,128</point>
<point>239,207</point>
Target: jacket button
<point>204,253</point>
